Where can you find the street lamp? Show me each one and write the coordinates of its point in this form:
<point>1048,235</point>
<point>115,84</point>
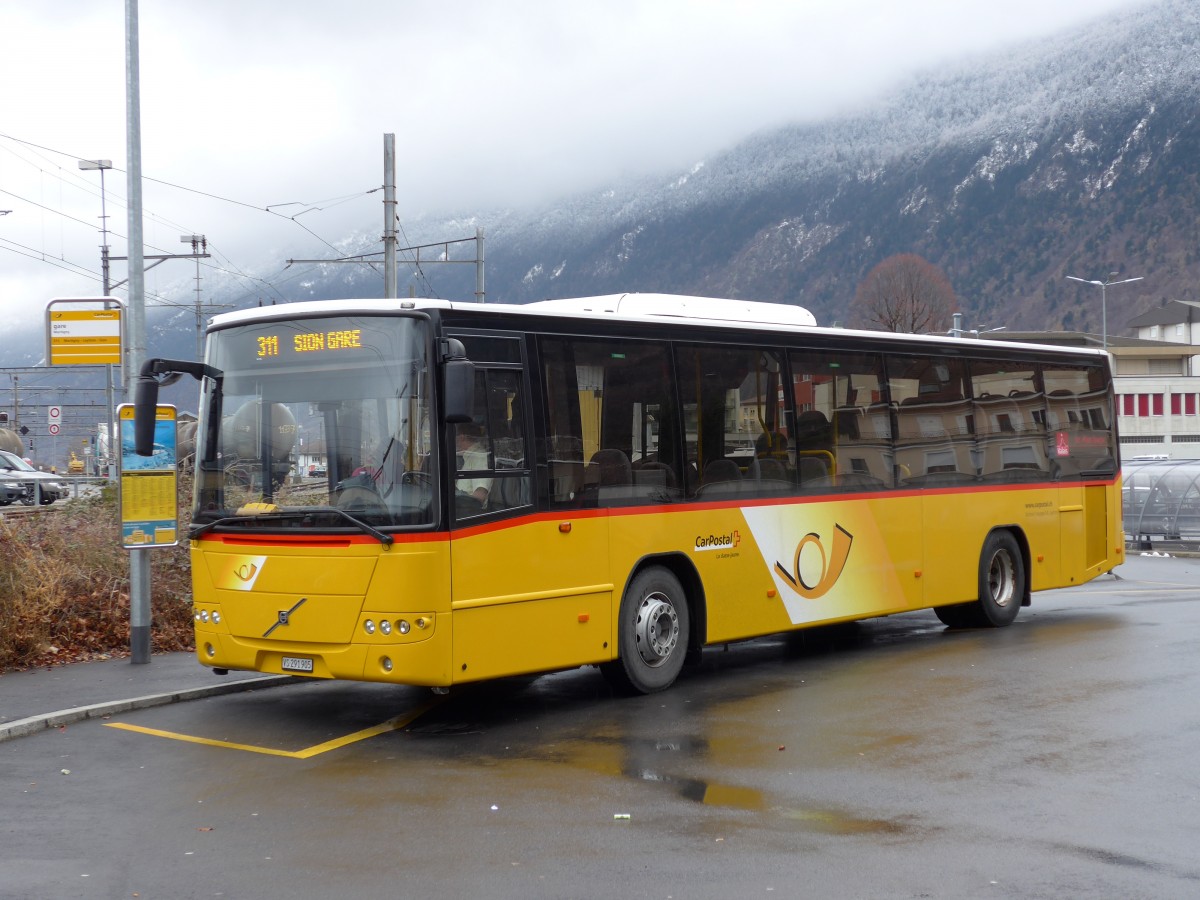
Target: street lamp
<point>1104,286</point>
<point>103,165</point>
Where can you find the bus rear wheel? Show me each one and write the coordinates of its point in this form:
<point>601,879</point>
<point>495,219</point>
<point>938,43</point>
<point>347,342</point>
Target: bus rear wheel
<point>957,616</point>
<point>652,633</point>
<point>1001,581</point>
<point>1002,586</point>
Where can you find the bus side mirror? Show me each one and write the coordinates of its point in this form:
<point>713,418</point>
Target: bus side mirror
<point>157,372</point>
<point>460,390</point>
<point>145,411</point>
<point>458,381</point>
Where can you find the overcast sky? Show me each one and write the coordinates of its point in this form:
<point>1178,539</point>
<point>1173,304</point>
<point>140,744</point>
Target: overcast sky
<point>254,103</point>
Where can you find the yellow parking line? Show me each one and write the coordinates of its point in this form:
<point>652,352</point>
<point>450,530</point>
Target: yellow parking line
<point>393,724</point>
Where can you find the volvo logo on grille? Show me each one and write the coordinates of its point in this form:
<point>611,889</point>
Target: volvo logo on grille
<point>285,617</point>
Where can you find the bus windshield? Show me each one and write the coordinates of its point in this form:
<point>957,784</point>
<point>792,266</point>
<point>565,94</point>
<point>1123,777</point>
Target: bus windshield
<point>317,423</point>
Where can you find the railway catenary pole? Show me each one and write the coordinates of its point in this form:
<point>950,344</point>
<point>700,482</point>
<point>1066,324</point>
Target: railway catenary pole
<point>389,216</point>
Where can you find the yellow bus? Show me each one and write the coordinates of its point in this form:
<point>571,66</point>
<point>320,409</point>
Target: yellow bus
<point>434,493</point>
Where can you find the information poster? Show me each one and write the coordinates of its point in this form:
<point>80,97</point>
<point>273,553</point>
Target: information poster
<point>149,484</point>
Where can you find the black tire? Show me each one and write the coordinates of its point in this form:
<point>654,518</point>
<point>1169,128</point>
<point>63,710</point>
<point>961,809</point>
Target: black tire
<point>1002,582</point>
<point>652,633</point>
<point>957,616</point>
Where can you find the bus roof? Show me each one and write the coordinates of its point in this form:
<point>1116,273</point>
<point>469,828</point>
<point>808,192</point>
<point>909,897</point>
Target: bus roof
<point>635,307</point>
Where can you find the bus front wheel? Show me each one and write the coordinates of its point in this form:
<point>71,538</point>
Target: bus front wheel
<point>652,633</point>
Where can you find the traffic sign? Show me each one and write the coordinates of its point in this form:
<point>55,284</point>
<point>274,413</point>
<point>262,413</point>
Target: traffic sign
<point>54,415</point>
<point>53,429</point>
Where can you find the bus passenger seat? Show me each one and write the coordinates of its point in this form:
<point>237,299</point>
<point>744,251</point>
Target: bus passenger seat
<point>768,470</point>
<point>610,467</point>
<point>721,470</point>
<point>811,468</point>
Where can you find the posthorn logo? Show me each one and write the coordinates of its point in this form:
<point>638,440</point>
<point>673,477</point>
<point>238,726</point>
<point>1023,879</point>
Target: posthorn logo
<point>829,570</point>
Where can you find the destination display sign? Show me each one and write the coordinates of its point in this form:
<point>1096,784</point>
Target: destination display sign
<point>272,344</point>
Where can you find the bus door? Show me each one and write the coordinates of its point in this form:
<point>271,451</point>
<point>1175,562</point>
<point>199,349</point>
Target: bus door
<point>1082,449</point>
<point>529,592</point>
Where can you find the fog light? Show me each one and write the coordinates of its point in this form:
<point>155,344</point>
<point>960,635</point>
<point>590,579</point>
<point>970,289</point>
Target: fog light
<point>404,626</point>
<point>210,650</point>
<point>385,627</point>
<point>386,663</point>
<point>369,626</point>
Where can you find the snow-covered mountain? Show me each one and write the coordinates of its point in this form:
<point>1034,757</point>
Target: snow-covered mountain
<point>1078,155</point>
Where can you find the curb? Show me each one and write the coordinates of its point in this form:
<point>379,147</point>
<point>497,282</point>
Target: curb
<point>34,724</point>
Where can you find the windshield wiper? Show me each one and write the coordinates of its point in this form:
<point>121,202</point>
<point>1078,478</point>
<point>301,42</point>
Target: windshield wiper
<point>386,539</point>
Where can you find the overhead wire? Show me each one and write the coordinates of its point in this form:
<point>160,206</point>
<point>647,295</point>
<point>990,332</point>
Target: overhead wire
<point>316,206</point>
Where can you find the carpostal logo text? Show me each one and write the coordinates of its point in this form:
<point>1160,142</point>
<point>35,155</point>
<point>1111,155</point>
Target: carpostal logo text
<point>717,541</point>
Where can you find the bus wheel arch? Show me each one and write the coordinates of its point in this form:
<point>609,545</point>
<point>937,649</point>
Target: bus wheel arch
<point>660,625</point>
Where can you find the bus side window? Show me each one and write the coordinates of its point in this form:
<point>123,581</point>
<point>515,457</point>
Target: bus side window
<point>935,426</point>
<point>843,434</point>
<point>1010,421</point>
<point>611,416</point>
<point>1079,416</point>
<point>734,420</point>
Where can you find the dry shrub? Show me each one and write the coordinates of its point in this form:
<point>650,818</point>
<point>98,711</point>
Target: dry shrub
<point>64,585</point>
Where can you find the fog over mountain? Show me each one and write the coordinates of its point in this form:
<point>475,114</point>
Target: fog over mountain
<point>1073,156</point>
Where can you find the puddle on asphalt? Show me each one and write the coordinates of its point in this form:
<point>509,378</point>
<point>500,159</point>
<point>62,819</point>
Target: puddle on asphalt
<point>829,821</point>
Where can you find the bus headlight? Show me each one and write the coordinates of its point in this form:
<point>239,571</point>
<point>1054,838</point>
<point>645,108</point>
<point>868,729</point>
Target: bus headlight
<point>385,627</point>
<point>369,626</point>
<point>404,626</point>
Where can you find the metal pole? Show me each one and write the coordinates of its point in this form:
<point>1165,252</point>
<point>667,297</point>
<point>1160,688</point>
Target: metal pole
<point>389,216</point>
<point>109,406</point>
<point>139,560</point>
<point>102,165</point>
<point>1104,314</point>
<point>479,294</point>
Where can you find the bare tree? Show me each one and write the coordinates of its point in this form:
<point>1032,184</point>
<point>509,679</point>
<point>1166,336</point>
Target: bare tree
<point>904,293</point>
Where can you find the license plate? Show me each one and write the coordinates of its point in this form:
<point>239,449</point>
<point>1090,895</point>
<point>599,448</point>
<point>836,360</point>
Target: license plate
<point>296,664</point>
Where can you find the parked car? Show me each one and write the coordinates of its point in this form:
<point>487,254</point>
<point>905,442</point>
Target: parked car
<point>50,487</point>
<point>10,490</point>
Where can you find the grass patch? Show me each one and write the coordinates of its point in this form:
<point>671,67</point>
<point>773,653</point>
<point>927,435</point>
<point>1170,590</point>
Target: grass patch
<point>64,585</point>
